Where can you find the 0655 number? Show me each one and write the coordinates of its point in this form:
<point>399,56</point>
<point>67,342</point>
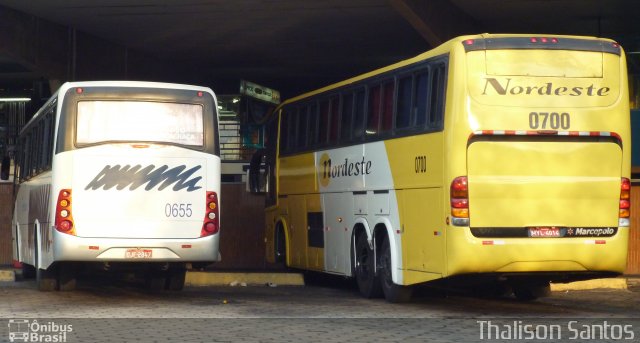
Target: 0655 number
<point>177,210</point>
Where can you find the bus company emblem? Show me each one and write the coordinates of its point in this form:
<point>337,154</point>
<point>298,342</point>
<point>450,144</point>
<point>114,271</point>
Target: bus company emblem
<point>328,170</point>
<point>134,177</point>
<point>547,88</point>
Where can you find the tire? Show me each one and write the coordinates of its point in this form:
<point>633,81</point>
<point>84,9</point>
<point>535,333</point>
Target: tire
<point>368,282</point>
<point>175,280</point>
<point>280,247</point>
<point>156,280</point>
<point>392,292</point>
<point>67,277</point>
<point>28,271</point>
<point>531,292</point>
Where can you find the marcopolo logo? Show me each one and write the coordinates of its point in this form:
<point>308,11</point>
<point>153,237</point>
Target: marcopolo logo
<point>25,330</point>
<point>493,86</point>
<point>134,177</point>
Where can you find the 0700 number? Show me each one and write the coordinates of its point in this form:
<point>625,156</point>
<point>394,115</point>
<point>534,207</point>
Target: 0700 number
<point>177,210</point>
<point>549,120</point>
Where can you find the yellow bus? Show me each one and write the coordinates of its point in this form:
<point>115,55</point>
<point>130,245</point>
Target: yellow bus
<point>494,158</point>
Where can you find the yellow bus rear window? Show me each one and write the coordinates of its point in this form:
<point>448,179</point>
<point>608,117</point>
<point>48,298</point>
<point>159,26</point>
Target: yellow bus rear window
<point>559,63</point>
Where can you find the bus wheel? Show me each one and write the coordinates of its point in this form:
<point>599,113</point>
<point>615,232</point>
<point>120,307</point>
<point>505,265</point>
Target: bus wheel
<point>392,292</point>
<point>368,283</point>
<point>281,246</point>
<point>531,292</point>
<point>175,279</point>
<point>28,271</point>
<point>67,277</point>
<point>155,280</point>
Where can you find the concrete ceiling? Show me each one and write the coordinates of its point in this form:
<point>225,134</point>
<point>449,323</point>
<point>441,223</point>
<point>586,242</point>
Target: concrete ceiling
<point>297,45</point>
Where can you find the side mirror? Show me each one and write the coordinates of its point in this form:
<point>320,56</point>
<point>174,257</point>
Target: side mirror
<point>5,167</point>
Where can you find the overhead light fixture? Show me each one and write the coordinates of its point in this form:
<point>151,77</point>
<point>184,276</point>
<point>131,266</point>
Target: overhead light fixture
<point>15,99</point>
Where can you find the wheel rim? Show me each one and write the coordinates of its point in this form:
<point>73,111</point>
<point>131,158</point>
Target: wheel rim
<point>362,266</point>
<point>385,265</point>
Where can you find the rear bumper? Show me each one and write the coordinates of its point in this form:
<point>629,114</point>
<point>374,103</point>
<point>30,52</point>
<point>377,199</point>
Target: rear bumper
<point>472,255</point>
<point>72,248</point>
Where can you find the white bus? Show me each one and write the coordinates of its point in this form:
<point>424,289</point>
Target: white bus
<point>122,175</point>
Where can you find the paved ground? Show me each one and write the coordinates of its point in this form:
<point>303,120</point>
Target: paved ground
<point>326,310</point>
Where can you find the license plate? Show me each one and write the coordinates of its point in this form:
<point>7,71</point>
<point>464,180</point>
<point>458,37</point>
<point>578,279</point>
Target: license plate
<point>138,253</point>
<point>544,232</point>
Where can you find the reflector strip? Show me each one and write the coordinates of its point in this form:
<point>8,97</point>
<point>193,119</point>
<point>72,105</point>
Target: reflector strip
<point>598,241</point>
<point>494,242</point>
<point>545,133</point>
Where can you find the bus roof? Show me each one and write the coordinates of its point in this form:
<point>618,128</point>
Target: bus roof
<point>439,50</point>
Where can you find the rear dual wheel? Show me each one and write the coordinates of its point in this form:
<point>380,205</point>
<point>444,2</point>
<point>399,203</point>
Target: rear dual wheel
<point>372,284</point>
<point>392,292</point>
<point>368,282</point>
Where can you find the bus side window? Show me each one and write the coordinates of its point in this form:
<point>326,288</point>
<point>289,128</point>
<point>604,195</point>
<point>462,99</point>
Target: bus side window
<point>323,128</point>
<point>346,120</point>
<point>359,116</point>
<point>301,131</point>
<point>373,115</point>
<point>334,119</point>
<point>387,106</point>
<point>403,110</point>
<point>437,96</point>
<point>421,95</point>
<point>284,130</point>
<point>313,139</point>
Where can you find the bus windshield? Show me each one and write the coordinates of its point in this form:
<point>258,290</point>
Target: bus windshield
<point>104,121</point>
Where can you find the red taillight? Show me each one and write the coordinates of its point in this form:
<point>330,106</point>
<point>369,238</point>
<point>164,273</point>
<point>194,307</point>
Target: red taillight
<point>200,94</point>
<point>64,217</point>
<point>459,187</point>
<point>211,224</point>
<point>79,90</point>
<point>468,42</point>
<point>460,201</point>
<point>624,206</point>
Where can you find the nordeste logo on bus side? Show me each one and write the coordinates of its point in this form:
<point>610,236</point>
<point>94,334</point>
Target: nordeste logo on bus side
<point>133,177</point>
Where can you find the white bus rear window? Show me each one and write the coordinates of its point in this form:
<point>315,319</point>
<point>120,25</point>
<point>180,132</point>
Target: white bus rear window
<point>103,121</point>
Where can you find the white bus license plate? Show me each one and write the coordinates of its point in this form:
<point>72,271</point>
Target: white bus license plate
<point>544,232</point>
<point>138,253</point>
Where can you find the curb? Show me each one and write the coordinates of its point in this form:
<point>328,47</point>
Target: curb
<point>609,283</point>
<point>195,278</point>
<point>7,275</point>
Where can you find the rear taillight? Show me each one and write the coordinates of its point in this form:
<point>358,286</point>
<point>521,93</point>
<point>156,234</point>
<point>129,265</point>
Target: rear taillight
<point>460,201</point>
<point>211,224</point>
<point>64,218</point>
<point>625,203</point>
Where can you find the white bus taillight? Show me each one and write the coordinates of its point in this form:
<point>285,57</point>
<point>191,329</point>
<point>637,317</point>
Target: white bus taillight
<point>460,201</point>
<point>211,217</point>
<point>64,218</point>
<point>625,203</point>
